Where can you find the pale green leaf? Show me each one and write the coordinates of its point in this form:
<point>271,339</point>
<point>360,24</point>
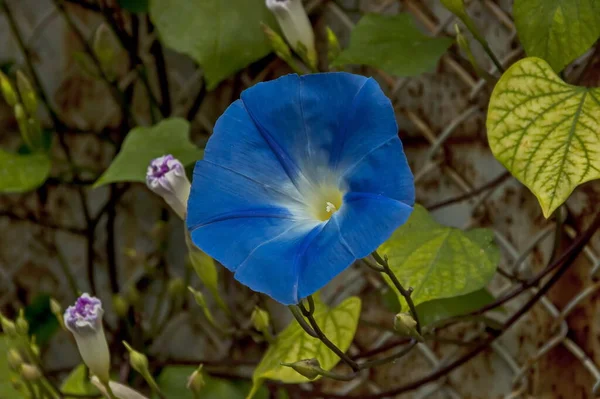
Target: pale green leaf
<point>6,388</point>
<point>394,44</point>
<point>439,261</point>
<point>20,173</point>
<point>545,131</point>
<point>440,309</point>
<point>558,31</point>
<point>78,382</point>
<point>223,36</point>
<point>143,144</point>
<point>293,344</point>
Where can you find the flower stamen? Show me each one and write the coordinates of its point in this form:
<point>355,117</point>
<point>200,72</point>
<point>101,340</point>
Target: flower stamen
<point>330,208</point>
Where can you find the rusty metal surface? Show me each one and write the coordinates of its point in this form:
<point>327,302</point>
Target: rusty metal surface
<point>552,352</point>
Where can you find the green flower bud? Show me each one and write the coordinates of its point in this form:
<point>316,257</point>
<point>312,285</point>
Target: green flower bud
<point>260,319</point>
<point>30,372</point>
<point>196,381</point>
<point>138,360</point>
<point>8,91</point>
<point>27,93</point>
<point>22,324</point>
<point>120,305</point>
<point>310,368</point>
<point>8,327</point>
<point>333,45</point>
<point>14,359</point>
<point>55,308</point>
<point>279,46</point>
<point>406,325</point>
<point>104,47</point>
<point>176,287</point>
<point>23,122</point>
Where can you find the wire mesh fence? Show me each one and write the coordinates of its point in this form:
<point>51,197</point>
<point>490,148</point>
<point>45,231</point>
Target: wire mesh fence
<point>551,352</point>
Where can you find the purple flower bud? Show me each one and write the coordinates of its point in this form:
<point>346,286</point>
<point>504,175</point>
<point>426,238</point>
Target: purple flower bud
<point>166,177</point>
<point>84,320</point>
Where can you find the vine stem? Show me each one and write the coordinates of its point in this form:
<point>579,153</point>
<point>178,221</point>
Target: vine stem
<point>406,293</point>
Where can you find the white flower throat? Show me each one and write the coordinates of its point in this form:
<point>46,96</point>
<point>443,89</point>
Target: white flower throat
<point>324,201</point>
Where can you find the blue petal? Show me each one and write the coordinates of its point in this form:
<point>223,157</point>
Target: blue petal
<point>230,214</point>
<point>272,268</point>
<point>236,144</point>
<point>363,223</point>
<point>384,171</point>
<point>321,120</point>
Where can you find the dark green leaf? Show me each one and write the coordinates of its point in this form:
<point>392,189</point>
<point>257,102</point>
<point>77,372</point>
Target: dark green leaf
<point>440,309</point>
<point>42,322</point>
<point>135,6</point>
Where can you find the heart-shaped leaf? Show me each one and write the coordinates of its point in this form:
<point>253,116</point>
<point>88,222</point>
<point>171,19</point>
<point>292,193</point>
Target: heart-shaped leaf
<point>545,131</point>
<point>20,173</point>
<point>439,261</point>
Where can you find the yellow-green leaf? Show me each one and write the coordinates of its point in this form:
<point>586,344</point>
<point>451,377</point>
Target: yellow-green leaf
<point>558,31</point>
<point>20,173</point>
<point>293,344</point>
<point>78,382</point>
<point>439,261</point>
<point>143,144</point>
<point>545,131</point>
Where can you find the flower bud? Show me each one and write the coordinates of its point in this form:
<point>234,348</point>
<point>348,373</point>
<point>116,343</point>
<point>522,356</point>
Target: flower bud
<point>14,359</point>
<point>57,311</point>
<point>406,325</point>
<point>260,319</point>
<point>138,360</point>
<point>27,93</point>
<point>8,91</point>
<point>196,382</point>
<point>30,372</point>
<point>22,324</point>
<point>296,27</point>
<point>119,390</point>
<point>8,327</point>
<point>166,177</point>
<point>84,320</point>
<point>279,46</point>
<point>23,122</point>
<point>310,368</point>
<point>176,287</point>
<point>104,48</point>
<point>333,45</point>
<point>120,305</point>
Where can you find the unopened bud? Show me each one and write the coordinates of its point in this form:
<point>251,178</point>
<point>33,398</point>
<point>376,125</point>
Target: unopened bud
<point>55,307</point>
<point>138,360</point>
<point>120,305</point>
<point>277,43</point>
<point>30,372</point>
<point>296,27</point>
<point>8,327</point>
<point>14,360</point>
<point>166,177</point>
<point>260,319</point>
<point>22,324</point>
<point>23,122</point>
<point>196,382</point>
<point>333,45</point>
<point>176,287</point>
<point>309,368</point>
<point>104,47</point>
<point>8,91</point>
<point>27,93</point>
<point>406,325</point>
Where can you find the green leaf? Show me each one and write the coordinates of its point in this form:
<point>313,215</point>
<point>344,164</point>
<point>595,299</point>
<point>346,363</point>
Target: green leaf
<point>78,382</point>
<point>42,322</point>
<point>440,309</point>
<point>143,144</point>
<point>558,31</point>
<point>173,381</point>
<point>6,388</point>
<point>439,261</point>
<point>545,131</point>
<point>293,344</point>
<point>20,173</point>
<point>223,36</point>
<point>135,6</point>
<point>394,44</point>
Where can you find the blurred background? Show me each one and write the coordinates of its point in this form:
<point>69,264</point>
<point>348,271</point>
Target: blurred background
<point>121,239</point>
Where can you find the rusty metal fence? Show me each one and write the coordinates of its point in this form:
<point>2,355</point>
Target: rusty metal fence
<point>552,352</point>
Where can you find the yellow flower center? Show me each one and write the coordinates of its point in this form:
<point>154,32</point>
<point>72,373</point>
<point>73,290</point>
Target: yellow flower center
<point>325,202</point>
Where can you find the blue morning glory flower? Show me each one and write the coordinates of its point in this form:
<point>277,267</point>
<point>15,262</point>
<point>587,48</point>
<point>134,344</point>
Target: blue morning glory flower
<point>302,176</point>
